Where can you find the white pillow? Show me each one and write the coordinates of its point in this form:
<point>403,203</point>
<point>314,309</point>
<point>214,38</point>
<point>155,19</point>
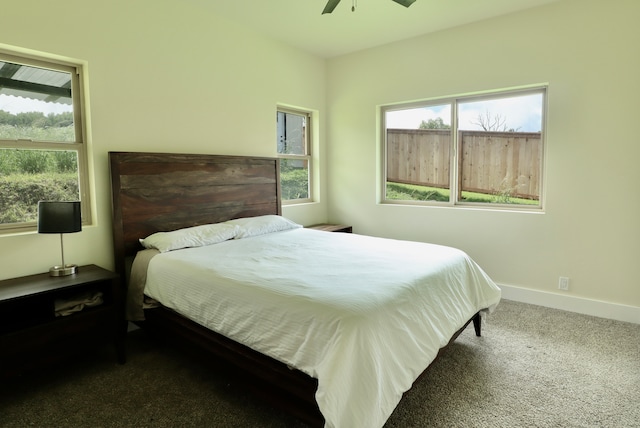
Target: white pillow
<point>196,236</point>
<point>254,226</point>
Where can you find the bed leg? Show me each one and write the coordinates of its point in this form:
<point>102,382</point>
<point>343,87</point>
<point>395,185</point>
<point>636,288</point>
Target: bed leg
<point>477,324</point>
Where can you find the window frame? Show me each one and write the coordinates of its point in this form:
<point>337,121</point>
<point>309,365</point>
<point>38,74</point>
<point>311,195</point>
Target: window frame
<point>455,158</point>
<point>77,71</point>
<point>308,157</point>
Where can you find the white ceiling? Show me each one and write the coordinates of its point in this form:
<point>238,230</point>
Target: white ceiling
<point>300,23</point>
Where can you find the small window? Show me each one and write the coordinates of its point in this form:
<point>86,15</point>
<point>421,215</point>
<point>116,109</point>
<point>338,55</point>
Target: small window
<point>294,151</point>
<point>484,150</point>
<point>42,145</point>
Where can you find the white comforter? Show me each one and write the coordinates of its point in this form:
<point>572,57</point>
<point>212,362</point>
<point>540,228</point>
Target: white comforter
<point>363,315</point>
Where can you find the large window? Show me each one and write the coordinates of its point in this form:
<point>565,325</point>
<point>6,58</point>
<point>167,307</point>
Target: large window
<point>481,150</point>
<point>42,139</point>
<point>294,151</point>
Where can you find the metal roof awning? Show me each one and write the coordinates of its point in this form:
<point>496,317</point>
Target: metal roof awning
<point>35,83</point>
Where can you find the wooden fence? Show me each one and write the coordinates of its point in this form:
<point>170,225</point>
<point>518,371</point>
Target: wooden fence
<point>489,162</point>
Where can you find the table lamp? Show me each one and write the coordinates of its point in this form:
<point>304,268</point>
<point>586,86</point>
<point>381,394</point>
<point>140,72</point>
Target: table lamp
<point>60,217</point>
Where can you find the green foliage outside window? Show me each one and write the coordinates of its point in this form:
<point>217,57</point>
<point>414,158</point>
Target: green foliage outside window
<point>36,126</point>
<point>29,176</point>
<point>21,193</point>
<point>294,180</point>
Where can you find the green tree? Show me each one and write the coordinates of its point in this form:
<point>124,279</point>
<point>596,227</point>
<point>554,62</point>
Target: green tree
<point>6,118</point>
<point>436,123</point>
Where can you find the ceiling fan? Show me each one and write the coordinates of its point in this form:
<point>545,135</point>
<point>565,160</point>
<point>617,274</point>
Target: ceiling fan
<point>331,4</point>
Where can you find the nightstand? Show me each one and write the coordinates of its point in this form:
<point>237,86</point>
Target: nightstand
<point>30,332</point>
<point>332,228</point>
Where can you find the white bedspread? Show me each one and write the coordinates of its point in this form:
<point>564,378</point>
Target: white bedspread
<point>363,315</point>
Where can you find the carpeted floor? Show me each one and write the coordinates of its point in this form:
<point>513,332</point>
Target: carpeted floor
<point>533,367</point>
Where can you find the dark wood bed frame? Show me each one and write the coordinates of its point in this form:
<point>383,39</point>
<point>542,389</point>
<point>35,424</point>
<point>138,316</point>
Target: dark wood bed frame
<point>154,192</point>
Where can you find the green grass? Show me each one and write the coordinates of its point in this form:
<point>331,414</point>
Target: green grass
<point>412,192</point>
<point>20,194</point>
<point>64,133</point>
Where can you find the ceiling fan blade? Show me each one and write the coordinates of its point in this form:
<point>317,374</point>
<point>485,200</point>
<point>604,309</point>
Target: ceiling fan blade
<point>405,3</point>
<point>331,4</point>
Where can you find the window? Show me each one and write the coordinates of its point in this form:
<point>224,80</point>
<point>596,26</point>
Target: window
<point>42,139</point>
<point>294,151</point>
<point>482,150</point>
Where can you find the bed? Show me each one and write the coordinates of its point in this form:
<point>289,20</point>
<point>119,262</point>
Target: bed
<point>334,332</point>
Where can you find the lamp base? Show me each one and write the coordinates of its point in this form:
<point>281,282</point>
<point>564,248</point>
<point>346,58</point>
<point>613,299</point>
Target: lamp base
<point>63,270</point>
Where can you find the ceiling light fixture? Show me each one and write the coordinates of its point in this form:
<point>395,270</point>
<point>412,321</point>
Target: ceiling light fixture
<point>331,4</point>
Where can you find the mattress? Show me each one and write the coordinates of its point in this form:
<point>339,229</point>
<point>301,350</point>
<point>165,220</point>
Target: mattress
<point>363,315</point>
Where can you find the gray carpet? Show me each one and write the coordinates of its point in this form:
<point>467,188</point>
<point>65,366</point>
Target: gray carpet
<point>533,367</point>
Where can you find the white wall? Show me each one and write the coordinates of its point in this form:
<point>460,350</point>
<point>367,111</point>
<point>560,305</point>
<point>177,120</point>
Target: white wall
<point>161,78</point>
<point>587,51</point>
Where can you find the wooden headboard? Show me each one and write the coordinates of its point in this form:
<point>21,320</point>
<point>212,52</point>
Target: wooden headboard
<point>154,192</point>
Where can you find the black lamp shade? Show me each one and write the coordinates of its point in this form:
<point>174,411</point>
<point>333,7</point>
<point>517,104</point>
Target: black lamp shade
<point>59,217</point>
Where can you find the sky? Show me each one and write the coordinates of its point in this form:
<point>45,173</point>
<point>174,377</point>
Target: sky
<point>522,113</point>
<point>14,105</point>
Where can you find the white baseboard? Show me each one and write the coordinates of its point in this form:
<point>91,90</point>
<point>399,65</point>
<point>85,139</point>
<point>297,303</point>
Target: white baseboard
<point>597,308</point>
